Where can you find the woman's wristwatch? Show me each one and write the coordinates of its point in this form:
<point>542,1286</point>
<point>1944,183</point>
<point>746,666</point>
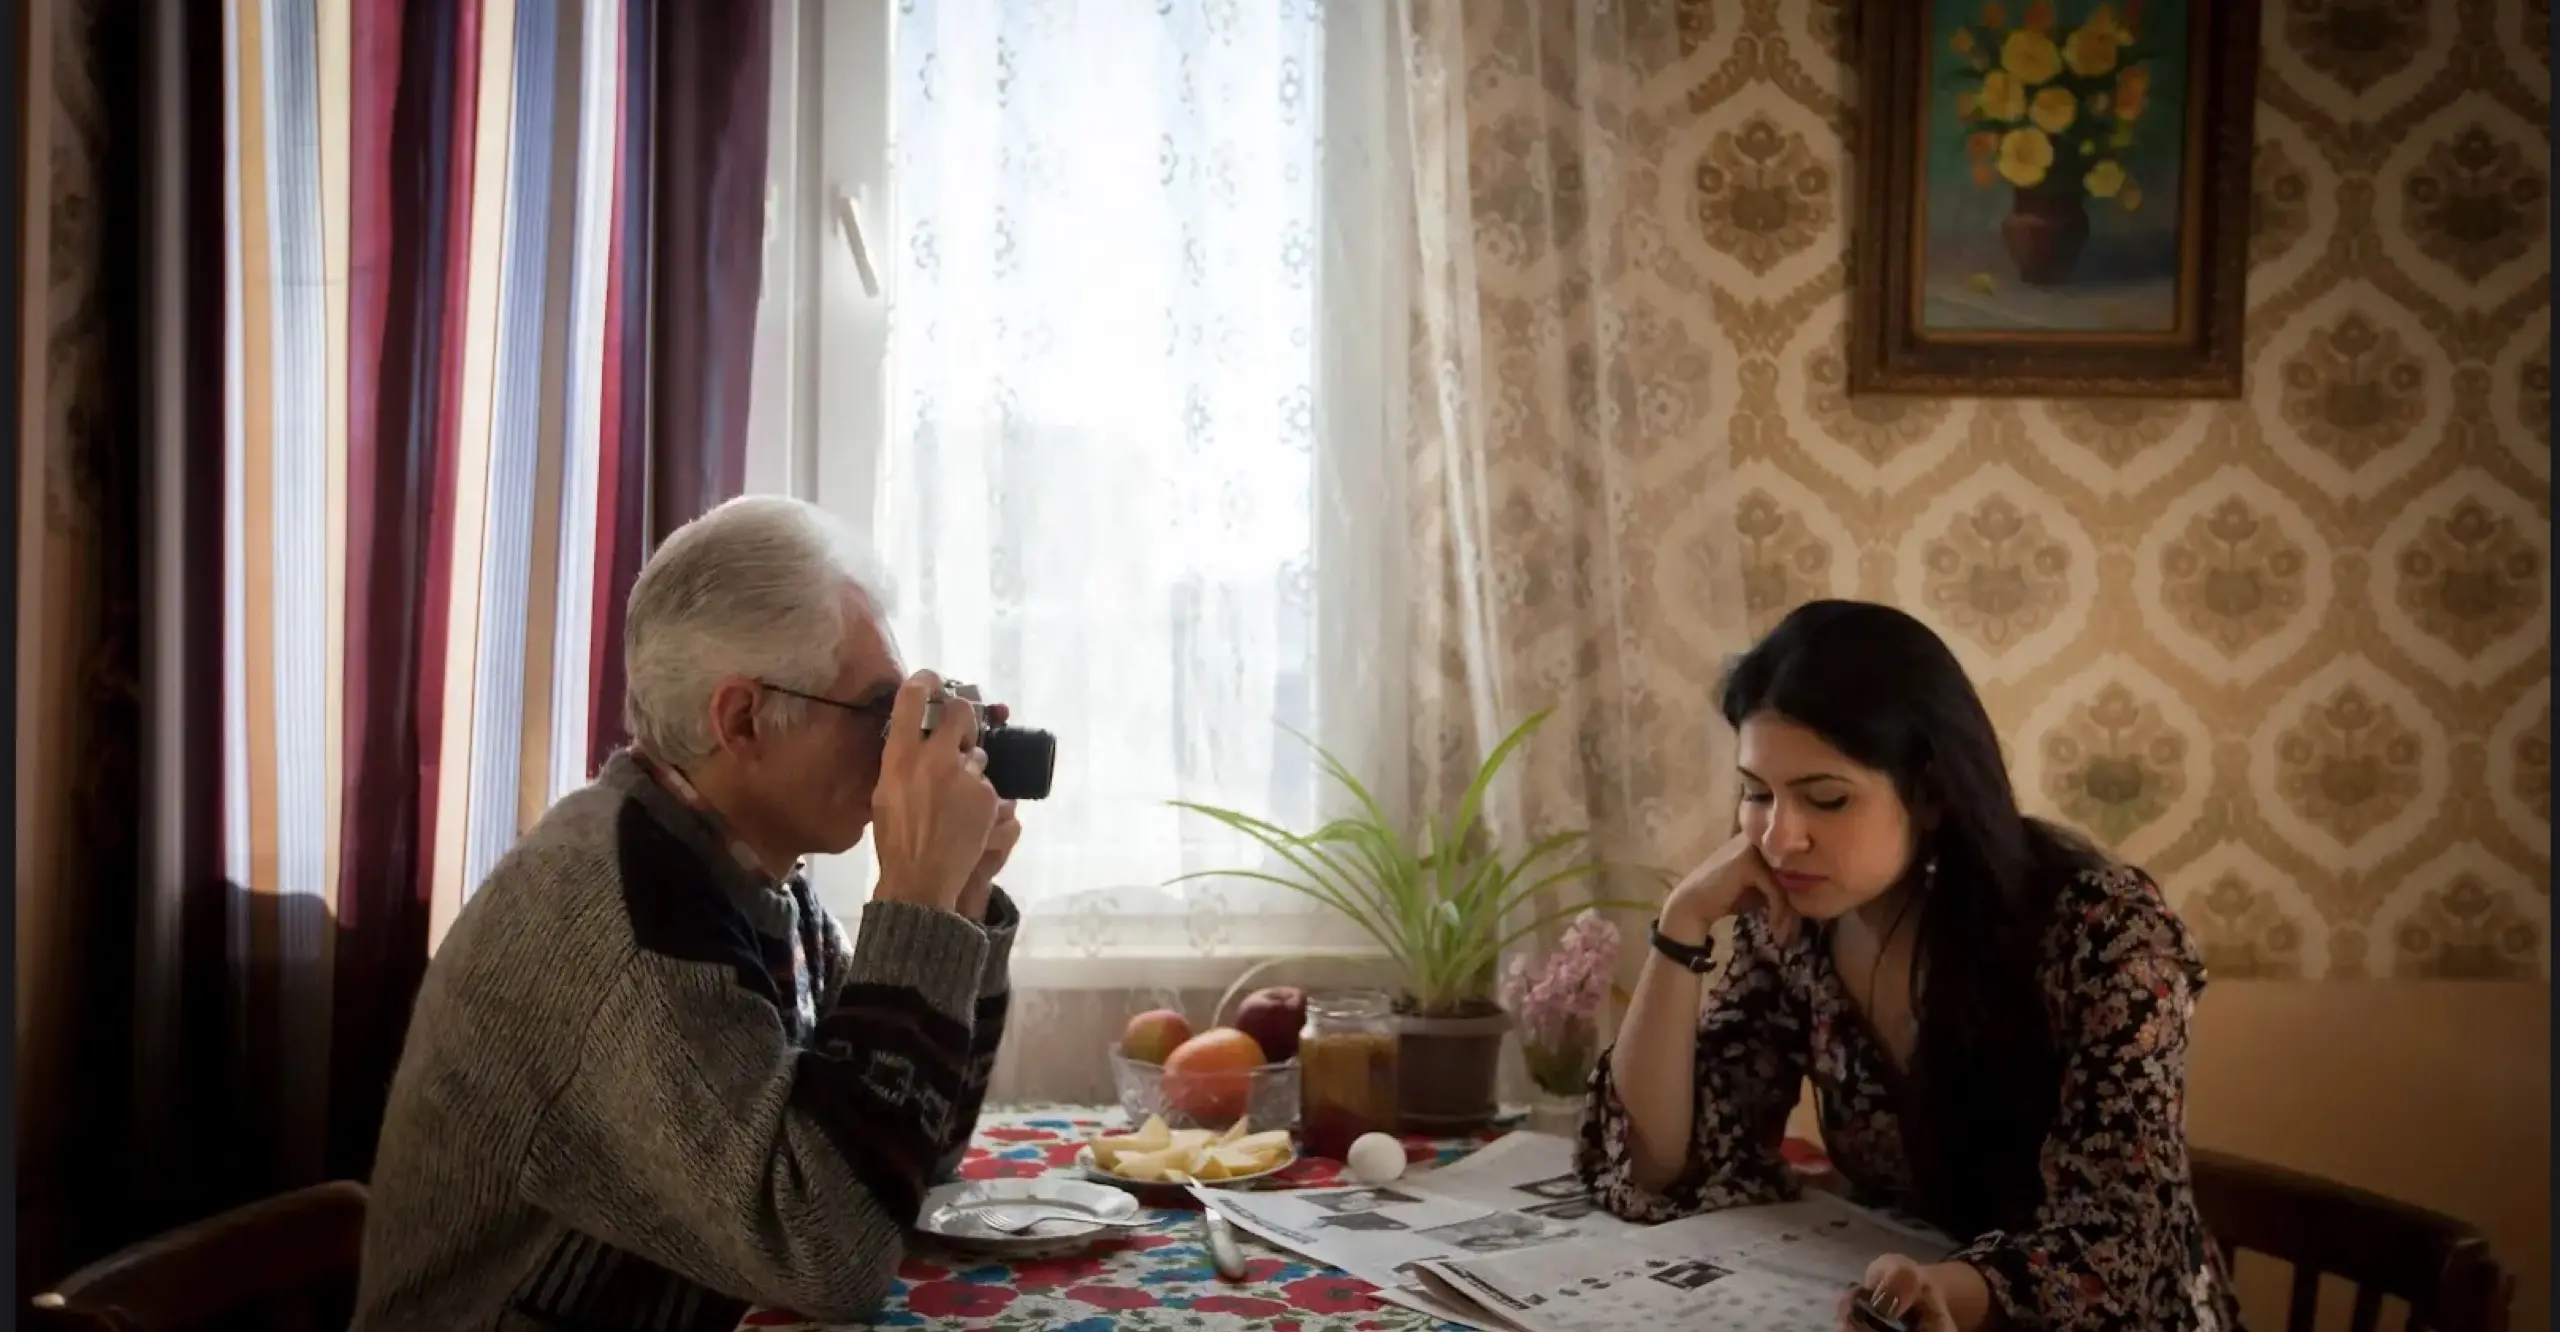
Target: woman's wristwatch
<point>1698,958</point>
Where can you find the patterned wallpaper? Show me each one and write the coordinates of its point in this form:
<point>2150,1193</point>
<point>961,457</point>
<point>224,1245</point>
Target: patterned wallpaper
<point>2290,652</point>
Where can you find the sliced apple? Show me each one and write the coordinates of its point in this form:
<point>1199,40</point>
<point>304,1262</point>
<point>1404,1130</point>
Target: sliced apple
<point>1152,1136</point>
<point>1275,1141</point>
<point>1235,1162</point>
<point>1147,1165</point>
<point>1108,1150</point>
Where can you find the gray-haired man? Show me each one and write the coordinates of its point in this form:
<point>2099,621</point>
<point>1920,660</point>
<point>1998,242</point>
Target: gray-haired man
<point>648,1082</point>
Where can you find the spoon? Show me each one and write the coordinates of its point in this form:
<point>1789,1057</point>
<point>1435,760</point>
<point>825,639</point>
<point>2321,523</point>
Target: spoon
<point>1015,1220</point>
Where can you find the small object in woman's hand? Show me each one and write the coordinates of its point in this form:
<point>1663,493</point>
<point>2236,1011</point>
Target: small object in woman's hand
<point>1877,1312</point>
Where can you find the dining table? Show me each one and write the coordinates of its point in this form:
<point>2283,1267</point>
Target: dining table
<point>1158,1276</point>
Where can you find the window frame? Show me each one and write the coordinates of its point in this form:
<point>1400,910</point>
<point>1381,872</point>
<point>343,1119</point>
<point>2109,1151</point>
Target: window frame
<point>820,435</point>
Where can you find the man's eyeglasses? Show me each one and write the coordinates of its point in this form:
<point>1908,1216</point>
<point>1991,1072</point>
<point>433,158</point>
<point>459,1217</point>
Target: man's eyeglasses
<point>878,711</point>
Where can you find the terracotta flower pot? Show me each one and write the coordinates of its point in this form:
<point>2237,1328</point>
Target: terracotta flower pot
<point>1447,1069</point>
<point>2045,231</point>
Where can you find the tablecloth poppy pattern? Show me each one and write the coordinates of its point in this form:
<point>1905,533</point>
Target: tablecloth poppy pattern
<point>1156,1278</point>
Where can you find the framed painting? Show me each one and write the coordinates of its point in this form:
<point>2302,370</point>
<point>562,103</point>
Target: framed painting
<point>2054,197</point>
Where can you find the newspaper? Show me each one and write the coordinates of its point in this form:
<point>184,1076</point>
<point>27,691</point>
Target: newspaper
<point>1507,1240</point>
<point>1515,1192</point>
<point>1778,1266</point>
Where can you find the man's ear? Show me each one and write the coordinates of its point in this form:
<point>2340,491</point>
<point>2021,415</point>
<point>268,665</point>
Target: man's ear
<point>733,714</point>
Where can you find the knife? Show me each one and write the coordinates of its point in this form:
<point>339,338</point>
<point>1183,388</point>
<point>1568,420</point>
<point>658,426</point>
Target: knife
<point>1223,1249</point>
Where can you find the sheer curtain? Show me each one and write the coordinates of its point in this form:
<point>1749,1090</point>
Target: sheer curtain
<point>1134,472</point>
<point>1579,371</point>
<point>1253,366</point>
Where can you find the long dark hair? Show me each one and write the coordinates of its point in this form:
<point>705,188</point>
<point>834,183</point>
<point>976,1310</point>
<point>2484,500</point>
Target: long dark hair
<point>1884,690</point>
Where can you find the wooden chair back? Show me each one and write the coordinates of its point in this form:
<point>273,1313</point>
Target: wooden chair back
<point>2440,1267</point>
<point>292,1246</point>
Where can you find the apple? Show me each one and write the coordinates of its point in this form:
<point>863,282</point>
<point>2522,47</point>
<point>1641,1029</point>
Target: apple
<point>1273,1017</point>
<point>1153,1035</point>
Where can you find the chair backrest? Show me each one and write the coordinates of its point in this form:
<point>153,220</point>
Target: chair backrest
<point>290,1245</point>
<point>2440,1267</point>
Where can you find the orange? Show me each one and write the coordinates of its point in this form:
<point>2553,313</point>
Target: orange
<point>1209,1078</point>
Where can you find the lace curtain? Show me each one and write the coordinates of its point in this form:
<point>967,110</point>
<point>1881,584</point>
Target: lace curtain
<point>1105,486</point>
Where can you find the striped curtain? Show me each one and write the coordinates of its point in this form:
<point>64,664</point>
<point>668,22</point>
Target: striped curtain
<point>436,215</point>
<point>458,239</point>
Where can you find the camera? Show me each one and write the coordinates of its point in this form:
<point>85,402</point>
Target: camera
<point>1020,759</point>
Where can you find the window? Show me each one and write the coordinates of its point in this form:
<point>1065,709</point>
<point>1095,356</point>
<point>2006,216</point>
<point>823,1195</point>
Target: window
<point>1073,306</point>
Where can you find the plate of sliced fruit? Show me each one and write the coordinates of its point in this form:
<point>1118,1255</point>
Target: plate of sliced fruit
<point>1159,1155</point>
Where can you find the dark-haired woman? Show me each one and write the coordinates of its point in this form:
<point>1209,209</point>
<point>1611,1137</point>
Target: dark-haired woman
<point>1993,1016</point>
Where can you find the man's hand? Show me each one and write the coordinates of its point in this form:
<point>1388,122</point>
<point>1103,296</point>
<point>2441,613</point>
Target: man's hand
<point>982,880</point>
<point>933,809</point>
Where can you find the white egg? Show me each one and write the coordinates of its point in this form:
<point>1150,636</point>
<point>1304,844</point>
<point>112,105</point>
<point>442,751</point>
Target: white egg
<point>1375,1158</point>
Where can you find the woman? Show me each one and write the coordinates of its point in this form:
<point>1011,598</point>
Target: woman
<point>1994,1017</point>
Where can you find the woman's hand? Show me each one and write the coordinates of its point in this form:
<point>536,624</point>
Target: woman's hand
<point>1921,1297</point>
<point>1734,878</point>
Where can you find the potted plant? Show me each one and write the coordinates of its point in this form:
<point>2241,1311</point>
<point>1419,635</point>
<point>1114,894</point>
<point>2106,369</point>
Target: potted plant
<point>1445,905</point>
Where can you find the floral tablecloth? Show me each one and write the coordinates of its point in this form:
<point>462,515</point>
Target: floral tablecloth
<point>1159,1277</point>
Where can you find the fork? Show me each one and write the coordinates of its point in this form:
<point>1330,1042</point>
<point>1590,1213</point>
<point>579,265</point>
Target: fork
<point>1015,1220</point>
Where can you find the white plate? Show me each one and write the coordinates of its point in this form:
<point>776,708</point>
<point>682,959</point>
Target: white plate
<point>949,1213</point>
<point>1084,1162</point>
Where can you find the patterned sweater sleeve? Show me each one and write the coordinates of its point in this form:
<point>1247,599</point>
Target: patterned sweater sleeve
<point>1751,1057</point>
<point>2115,1244</point>
<point>696,1134</point>
<point>986,1031</point>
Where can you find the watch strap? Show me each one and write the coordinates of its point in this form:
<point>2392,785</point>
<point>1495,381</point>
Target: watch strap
<point>1699,959</point>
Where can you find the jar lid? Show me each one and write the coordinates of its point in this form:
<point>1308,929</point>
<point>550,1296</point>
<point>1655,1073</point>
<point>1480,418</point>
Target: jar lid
<point>1349,1004</point>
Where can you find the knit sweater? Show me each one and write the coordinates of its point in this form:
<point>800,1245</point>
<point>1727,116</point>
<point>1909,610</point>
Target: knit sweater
<point>613,1109</point>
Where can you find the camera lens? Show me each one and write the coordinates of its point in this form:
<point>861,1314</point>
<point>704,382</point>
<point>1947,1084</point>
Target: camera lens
<point>1020,761</point>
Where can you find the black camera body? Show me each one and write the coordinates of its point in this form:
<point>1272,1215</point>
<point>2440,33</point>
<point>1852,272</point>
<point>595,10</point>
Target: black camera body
<point>1020,759</point>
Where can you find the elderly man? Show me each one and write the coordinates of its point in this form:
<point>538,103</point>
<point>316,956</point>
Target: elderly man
<point>648,1081</point>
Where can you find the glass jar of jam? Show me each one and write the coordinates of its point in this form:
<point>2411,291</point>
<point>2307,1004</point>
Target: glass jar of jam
<point>1346,1071</point>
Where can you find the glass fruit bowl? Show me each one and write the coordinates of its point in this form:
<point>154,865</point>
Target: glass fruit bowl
<point>1267,1097</point>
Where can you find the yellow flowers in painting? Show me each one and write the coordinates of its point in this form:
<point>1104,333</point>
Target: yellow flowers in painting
<point>2047,109</point>
<point>2026,156</point>
<point>2029,55</point>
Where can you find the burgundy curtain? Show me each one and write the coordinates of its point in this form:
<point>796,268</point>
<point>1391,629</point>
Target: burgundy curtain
<point>231,1003</point>
<point>714,80</point>
<point>414,81</point>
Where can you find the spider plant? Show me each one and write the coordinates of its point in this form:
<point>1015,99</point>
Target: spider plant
<point>1438,904</point>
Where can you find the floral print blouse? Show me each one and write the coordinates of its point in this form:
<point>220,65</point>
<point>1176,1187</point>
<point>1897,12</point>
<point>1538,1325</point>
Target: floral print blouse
<point>2117,1242</point>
